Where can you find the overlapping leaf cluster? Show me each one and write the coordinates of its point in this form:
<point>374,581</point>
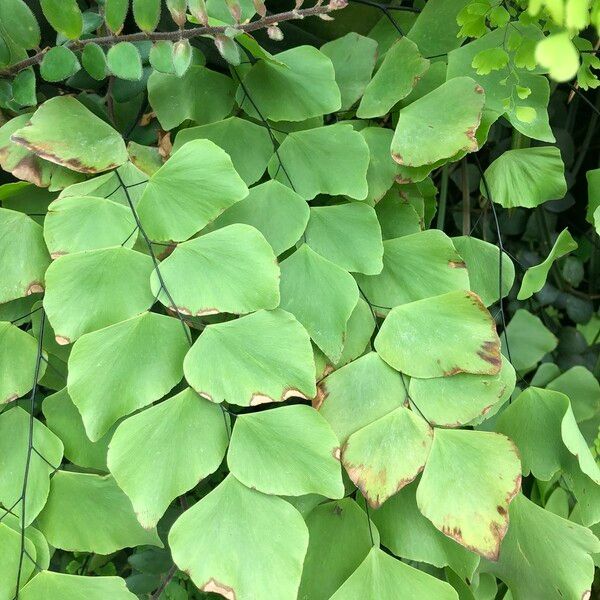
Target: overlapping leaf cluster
<point>237,357</point>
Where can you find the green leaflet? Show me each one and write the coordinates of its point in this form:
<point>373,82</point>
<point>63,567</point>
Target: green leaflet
<point>115,12</point>
<point>407,533</point>
<point>23,256</point>
<point>56,586</point>
<point>18,354</point>
<point>269,351</point>
<point>181,199</point>
<point>535,277</point>
<point>387,454</point>
<point>130,364</point>
<point>525,177</point>
<point>146,13</point>
<point>278,212</point>
<point>238,256</point>
<point>348,235</point>
<point>415,267</point>
<point>14,440</point>
<point>326,160</point>
<point>200,94</point>
<point>302,274</point>
<point>235,136</point>
<point>20,23</point>
<point>299,86</point>
<point>440,124</point>
<point>93,60</point>
<point>89,513</point>
<point>78,223</point>
<point>58,64</point>
<point>273,542</point>
<point>440,337</point>
<point>542,424</point>
<point>65,132</point>
<point>353,57</point>
<point>401,69</point>
<point>179,442</point>
<point>265,447</point>
<point>457,400</point>
<point>358,394</point>
<point>325,568</point>
<point>90,290</point>
<point>453,496</point>
<point>123,61</point>
<point>583,391</point>
<point>545,556</point>
<point>11,553</point>
<point>529,340</point>
<point>382,576</point>
<point>482,260</point>
<point>64,420</point>
<point>64,16</point>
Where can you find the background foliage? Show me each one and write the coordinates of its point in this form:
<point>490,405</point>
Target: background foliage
<point>295,307</point>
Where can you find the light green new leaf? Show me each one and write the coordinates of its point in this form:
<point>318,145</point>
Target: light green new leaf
<point>10,567</point>
<point>181,198</point>
<point>545,556</point>
<point>321,296</point>
<point>358,394</point>
<point>58,64</point>
<point>269,352</point>
<point>215,538</point>
<point>18,356</point>
<point>63,419</point>
<point>526,177</point>
<point>482,260</point>
<point>64,16</point>
<point>23,256</point>
<point>20,23</point>
<point>248,144</point>
<point>49,585</point>
<point>65,132</point>
<point>88,290</point>
<point>325,566</point>
<point>400,71</point>
<point>558,54</point>
<point>200,94</point>
<point>229,270</point>
<point>287,451</point>
<point>528,339</point>
<point>348,235</point>
<point>468,482</point>
<point>415,266</point>
<point>408,534</point>
<point>440,124</point>
<point>386,578</point>
<point>14,441</point>
<point>300,85</point>
<point>124,61</point>
<point>535,277</point>
<point>458,400</point>
<point>387,454</point>
<point>118,369</point>
<point>440,336</point>
<point>353,57</point>
<point>326,160</point>
<point>90,513</point>
<point>177,443</point>
<point>79,223</point>
<point>274,209</point>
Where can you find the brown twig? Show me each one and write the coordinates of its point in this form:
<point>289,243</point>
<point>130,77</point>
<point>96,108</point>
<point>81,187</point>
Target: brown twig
<point>109,40</point>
